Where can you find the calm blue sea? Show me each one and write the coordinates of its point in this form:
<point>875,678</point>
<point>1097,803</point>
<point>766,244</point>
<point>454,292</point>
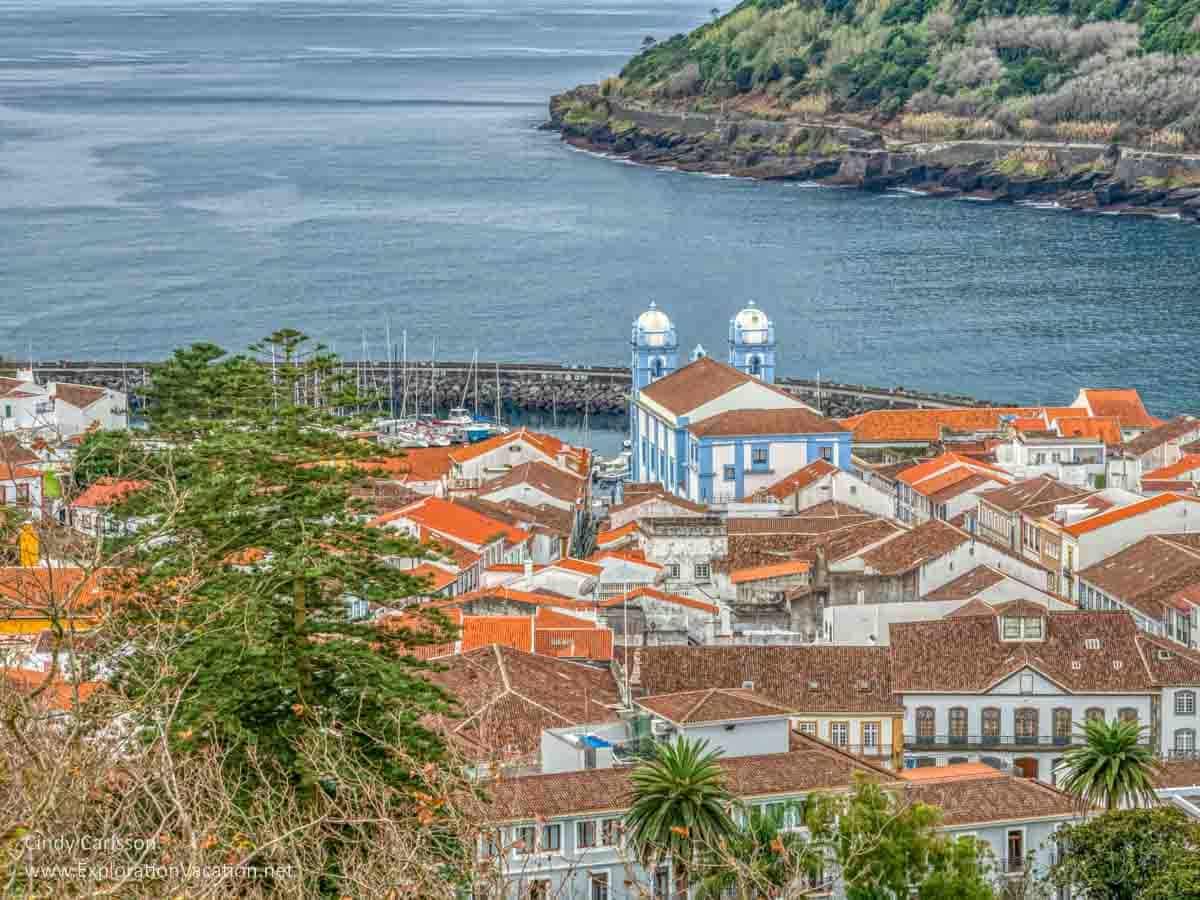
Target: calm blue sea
<point>176,170</point>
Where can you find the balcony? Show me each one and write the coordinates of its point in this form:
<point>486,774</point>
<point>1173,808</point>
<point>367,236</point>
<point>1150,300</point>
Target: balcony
<point>993,741</point>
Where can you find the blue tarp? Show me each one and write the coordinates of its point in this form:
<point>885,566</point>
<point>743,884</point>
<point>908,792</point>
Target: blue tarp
<point>592,741</point>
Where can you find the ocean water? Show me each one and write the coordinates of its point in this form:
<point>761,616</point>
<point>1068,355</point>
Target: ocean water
<point>179,170</point>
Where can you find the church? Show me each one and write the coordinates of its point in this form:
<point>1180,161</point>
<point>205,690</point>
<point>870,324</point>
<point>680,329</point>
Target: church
<point>716,432</point>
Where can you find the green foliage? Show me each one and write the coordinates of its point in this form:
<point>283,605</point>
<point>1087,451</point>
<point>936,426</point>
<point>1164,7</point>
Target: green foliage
<point>679,803</point>
<point>258,659</point>
<point>107,454</point>
<point>1111,766</point>
<point>1147,854</point>
<point>759,859</point>
<point>887,848</point>
<point>893,72</point>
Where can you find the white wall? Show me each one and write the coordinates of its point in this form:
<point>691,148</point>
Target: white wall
<point>1094,546</point>
<point>529,495</point>
<point>743,738</point>
<point>1172,722</point>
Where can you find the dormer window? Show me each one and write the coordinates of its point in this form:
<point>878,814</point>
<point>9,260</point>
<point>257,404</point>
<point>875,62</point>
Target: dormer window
<point>1091,644</point>
<point>1022,628</point>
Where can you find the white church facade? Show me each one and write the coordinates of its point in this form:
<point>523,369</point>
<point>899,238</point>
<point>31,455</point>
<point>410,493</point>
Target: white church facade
<point>718,432</point>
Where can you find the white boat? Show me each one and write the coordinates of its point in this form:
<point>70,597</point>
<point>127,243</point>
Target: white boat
<point>615,469</point>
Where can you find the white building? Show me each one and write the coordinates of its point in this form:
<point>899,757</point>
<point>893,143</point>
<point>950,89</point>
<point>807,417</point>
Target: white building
<point>58,410</point>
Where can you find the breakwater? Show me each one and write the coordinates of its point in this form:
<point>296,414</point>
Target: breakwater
<point>543,387</point>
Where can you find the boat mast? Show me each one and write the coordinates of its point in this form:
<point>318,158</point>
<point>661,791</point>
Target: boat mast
<point>404,378</point>
<point>498,394</point>
<point>433,381</point>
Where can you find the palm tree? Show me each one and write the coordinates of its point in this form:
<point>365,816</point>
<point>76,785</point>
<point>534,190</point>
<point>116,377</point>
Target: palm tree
<point>679,805</point>
<point>758,860</point>
<point>1111,767</point>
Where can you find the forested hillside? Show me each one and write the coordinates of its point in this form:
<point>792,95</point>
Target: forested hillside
<point>1095,71</point>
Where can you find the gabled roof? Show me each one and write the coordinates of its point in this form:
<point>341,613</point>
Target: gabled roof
<point>694,385</point>
<point>507,697</point>
<point>38,591</point>
<point>1124,404</point>
<point>1043,488</point>
<point>80,396</point>
<point>649,593</point>
<point>925,425</point>
<point>800,479</point>
<point>578,566</point>
<point>1150,574</point>
<point>976,794</point>
<point>455,520</point>
<point>973,607</point>
<point>970,584</point>
<point>574,457</point>
<point>810,679</point>
<point>967,655</point>
<point>631,558</point>
<point>712,705</point>
<point>842,540</point>
<point>1101,428</point>
<point>437,577</point>
<point>1171,430</point>
<point>1124,513</point>
<point>416,464</point>
<point>617,535</point>
<point>738,422</point>
<point>546,478</point>
<point>107,492</point>
<point>1169,663</point>
<point>909,550</point>
<point>949,470</point>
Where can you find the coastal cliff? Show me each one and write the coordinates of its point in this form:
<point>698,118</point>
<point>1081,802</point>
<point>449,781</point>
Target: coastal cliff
<point>1104,178</point>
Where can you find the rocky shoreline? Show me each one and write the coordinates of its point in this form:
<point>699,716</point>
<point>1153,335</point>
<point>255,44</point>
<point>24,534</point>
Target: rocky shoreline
<point>1092,178</point>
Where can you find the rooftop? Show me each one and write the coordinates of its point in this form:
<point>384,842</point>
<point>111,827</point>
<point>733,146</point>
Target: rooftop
<point>649,593</point>
<point>901,426</point>
<point>1148,575</point>
<point>1171,430</point>
<point>808,679</point>
<point>1124,404</point>
<point>776,570</point>
<point>711,706</point>
<point>911,549</point>
<point>1043,488</point>
<point>107,492</point>
<point>1124,513</point>
<point>694,385</point>
<point>455,520</point>
<point>800,479</point>
<point>968,795</point>
<point>968,585</point>
<point>799,420</point>
<point>548,479</point>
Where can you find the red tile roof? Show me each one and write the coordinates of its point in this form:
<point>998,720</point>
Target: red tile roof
<point>107,492</point>
<point>911,549</point>
<point>52,691</point>
<point>639,560</point>
<point>925,425</point>
<point>765,422</point>
<point>969,584</point>
<point>547,479</point>
<point>975,797</point>
<point>1150,574</point>
<point>1124,404</point>
<point>507,631</point>
<point>417,464</point>
<point>800,479</point>
<point>712,705</point>
<point>548,444</point>
<point>437,577</point>
<point>1103,428</point>
<point>595,644</point>
<point>1175,429</point>
<point>1188,463</point>
<point>456,521</point>
<point>694,385</point>
<point>661,596</point>
<point>1123,513</point>
<point>78,395</point>
<point>777,570</point>
<point>616,535</point>
<point>578,566</point>
<point>35,592</point>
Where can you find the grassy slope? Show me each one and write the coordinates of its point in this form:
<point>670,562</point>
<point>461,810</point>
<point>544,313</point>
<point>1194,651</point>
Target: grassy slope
<point>1078,70</point>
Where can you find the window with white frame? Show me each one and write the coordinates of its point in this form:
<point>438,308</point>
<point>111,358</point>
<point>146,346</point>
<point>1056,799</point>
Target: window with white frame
<point>551,838</point>
<point>839,733</point>
<point>760,457</point>
<point>610,832</point>
<point>870,734</point>
<point>599,885</point>
<point>525,839</point>
<point>808,728</point>
<point>1185,703</point>
<point>586,833</point>
<point>672,570</point>
<point>1185,740</point>
<point>703,571</point>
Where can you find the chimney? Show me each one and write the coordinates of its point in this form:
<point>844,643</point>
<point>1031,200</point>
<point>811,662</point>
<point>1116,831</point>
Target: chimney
<point>528,568</point>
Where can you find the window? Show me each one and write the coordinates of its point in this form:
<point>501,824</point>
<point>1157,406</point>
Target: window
<point>599,884</point>
<point>1185,741</point>
<point>490,844</point>
<point>925,762</point>
<point>1092,644</point>
<point>1094,714</point>
<point>1016,851</point>
<point>526,841</point>
<point>991,725</point>
<point>23,494</point>
<point>756,366</point>
<point>808,728</point>
<point>610,832</point>
<point>672,570</point>
<point>1062,726</point>
<point>551,838</point>
<point>1128,714</point>
<point>925,725</point>
<point>1033,627</point>
<point>1012,628</point>
<point>958,725</point>
<point>827,453</point>
<point>839,734</point>
<point>870,735</point>
<point>656,367</point>
<point>1026,684</point>
<point>730,473</point>
<point>1185,703</point>
<point>702,571</point>
<point>585,835</point>
<point>760,457</point>
<point>1026,721</point>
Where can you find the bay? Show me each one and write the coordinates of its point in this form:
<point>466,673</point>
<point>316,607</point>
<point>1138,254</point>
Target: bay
<point>180,170</point>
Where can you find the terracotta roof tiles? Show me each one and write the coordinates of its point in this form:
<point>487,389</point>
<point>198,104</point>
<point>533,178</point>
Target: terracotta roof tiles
<point>712,705</point>
<point>107,492</point>
<point>911,549</point>
<point>1171,430</point>
<point>694,385</point>
<point>1122,513</point>
<point>800,479</point>
<point>765,422</point>
<point>1124,404</point>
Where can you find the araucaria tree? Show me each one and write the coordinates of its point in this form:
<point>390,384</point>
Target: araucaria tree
<point>1111,767</point>
<point>254,566</point>
<point>679,808</point>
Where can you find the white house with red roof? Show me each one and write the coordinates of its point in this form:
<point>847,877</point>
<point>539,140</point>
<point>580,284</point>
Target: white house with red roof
<point>473,465</point>
<point>438,520</point>
<point>58,409</point>
<point>1123,404</point>
<point>821,481</point>
<point>945,487</point>
<point>91,512</point>
<point>21,487</point>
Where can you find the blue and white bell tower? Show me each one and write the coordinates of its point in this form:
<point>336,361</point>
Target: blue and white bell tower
<point>752,343</point>
<point>655,347</point>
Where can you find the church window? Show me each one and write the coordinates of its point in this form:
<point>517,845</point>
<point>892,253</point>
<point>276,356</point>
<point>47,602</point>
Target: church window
<point>656,367</point>
<point>760,457</point>
<point>756,366</point>
<point>827,454</point>
<point>731,473</point>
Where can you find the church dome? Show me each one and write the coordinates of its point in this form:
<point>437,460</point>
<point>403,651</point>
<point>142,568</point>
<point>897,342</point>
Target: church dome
<point>753,325</point>
<point>654,327</point>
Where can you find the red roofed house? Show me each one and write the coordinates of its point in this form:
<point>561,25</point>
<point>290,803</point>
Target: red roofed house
<point>90,512</point>
<point>821,481</point>
<point>475,464</point>
<point>1123,404</point>
<point>1182,476</point>
<point>444,520</point>
<point>649,617</point>
<point>944,487</point>
<point>650,500</point>
<point>58,409</point>
<point>537,484</point>
<point>1164,445</point>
